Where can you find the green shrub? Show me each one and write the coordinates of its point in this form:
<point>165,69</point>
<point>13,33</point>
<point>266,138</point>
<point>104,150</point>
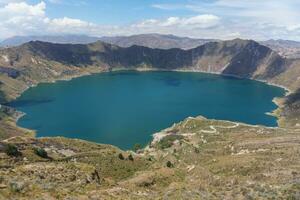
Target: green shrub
<point>137,147</point>
<point>16,187</point>
<point>169,164</point>
<point>130,157</point>
<point>12,150</point>
<point>121,157</point>
<point>41,152</point>
<point>168,140</point>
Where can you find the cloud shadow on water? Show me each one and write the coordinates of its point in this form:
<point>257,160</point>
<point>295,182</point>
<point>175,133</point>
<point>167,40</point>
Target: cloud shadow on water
<point>29,102</point>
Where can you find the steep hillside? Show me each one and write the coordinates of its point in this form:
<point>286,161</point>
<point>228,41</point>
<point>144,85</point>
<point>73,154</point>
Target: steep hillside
<point>286,48</point>
<point>197,158</point>
<point>290,111</point>
<point>34,62</point>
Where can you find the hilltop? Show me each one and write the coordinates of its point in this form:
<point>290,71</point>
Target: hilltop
<point>61,39</point>
<point>156,41</point>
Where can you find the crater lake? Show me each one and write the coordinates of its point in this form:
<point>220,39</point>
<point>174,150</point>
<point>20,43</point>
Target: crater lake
<point>126,107</point>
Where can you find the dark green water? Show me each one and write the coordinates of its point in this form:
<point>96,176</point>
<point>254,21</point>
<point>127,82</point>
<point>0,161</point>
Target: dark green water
<point>124,108</point>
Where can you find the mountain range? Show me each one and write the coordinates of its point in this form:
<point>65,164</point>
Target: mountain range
<point>157,41</point>
<point>148,40</point>
<point>63,39</point>
<point>286,48</point>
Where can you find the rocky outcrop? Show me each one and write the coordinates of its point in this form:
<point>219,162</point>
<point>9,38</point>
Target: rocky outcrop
<point>290,111</point>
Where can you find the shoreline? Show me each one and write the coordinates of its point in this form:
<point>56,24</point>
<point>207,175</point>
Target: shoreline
<point>69,78</point>
<point>275,100</point>
<point>288,90</point>
<point>89,73</point>
<point>142,69</point>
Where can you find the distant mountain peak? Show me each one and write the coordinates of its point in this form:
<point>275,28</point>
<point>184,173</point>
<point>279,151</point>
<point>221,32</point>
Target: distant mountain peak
<point>62,39</point>
<point>286,48</point>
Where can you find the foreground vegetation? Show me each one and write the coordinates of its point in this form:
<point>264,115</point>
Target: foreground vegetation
<point>195,159</point>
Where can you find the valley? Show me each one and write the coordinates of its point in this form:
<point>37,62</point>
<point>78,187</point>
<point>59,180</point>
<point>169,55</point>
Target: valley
<point>198,157</point>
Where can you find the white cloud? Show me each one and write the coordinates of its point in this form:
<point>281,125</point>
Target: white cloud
<point>168,6</point>
<point>23,9</point>
<point>259,19</point>
<point>199,21</point>
<point>69,22</point>
<point>23,19</point>
<point>69,25</point>
<point>227,19</point>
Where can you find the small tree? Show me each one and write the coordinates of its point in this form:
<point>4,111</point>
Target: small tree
<point>12,150</point>
<point>41,152</point>
<point>169,164</point>
<point>137,147</point>
<point>121,157</point>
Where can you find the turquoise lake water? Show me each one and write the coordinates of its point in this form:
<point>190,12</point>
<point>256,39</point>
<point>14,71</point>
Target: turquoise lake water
<point>124,108</point>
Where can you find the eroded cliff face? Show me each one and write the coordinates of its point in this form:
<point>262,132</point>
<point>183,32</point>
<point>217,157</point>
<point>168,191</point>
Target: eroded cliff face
<point>290,111</point>
<point>256,61</point>
<point>38,61</point>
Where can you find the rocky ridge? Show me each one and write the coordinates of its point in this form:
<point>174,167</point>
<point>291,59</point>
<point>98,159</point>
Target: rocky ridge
<point>34,62</point>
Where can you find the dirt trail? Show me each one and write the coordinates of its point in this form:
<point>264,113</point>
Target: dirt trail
<point>214,128</point>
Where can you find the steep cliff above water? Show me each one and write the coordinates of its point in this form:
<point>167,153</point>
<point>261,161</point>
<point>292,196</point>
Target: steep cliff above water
<point>35,62</point>
<point>195,158</point>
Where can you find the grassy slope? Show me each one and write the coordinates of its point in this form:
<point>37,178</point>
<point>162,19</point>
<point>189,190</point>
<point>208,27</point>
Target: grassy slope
<point>8,127</point>
<point>210,160</point>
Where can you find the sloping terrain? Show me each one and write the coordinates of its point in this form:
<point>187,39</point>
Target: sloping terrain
<point>34,62</point>
<point>287,48</point>
<point>195,159</point>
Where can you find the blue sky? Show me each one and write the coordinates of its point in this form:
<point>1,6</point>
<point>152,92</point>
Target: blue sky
<point>222,19</point>
<point>116,12</point>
